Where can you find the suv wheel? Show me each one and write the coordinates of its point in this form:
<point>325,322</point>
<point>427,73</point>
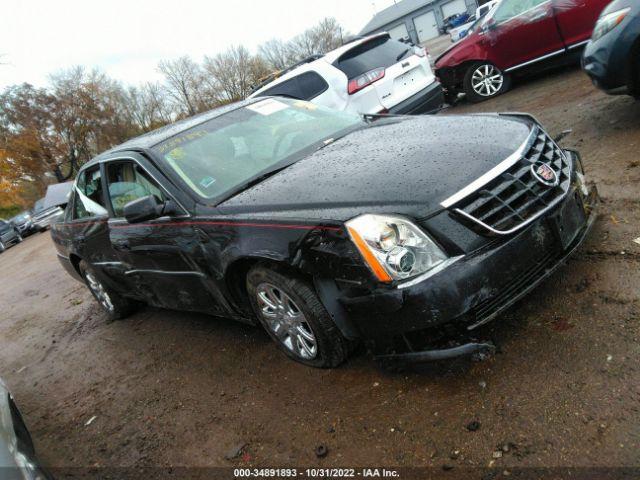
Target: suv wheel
<point>2,247</point>
<point>293,316</point>
<point>115,305</point>
<point>484,81</point>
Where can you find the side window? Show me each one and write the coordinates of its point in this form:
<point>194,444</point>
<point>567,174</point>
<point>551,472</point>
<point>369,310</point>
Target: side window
<point>305,86</point>
<point>512,8</point>
<point>127,181</point>
<point>311,85</point>
<point>88,196</point>
<point>288,88</point>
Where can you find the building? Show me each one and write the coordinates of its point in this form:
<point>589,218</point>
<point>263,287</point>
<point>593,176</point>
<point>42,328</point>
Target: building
<point>417,20</point>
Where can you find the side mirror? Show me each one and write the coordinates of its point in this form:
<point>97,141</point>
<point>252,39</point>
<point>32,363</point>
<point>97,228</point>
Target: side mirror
<point>143,209</point>
<point>489,25</point>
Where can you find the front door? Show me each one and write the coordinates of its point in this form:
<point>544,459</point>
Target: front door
<point>522,31</point>
<point>426,26</point>
<point>87,221</point>
<point>161,258</point>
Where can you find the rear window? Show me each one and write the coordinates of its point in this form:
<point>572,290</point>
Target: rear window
<point>306,86</point>
<point>379,52</point>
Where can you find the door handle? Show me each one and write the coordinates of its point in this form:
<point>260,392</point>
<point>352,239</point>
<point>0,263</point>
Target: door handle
<point>121,245</point>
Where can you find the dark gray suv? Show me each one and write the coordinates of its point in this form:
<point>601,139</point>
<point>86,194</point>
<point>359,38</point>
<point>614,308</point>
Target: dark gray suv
<point>8,235</point>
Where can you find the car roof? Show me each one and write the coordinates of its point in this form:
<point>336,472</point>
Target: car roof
<point>327,58</point>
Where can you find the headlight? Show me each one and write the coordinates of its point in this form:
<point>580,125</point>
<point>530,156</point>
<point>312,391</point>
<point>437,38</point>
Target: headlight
<point>608,22</point>
<point>394,248</point>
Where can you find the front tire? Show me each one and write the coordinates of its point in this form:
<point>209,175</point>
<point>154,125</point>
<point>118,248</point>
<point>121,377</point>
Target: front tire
<point>115,305</point>
<point>483,81</point>
<point>293,316</point>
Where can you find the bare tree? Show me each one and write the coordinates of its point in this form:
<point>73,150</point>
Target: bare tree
<point>322,38</point>
<point>231,75</point>
<point>148,106</point>
<point>277,54</point>
<point>183,79</point>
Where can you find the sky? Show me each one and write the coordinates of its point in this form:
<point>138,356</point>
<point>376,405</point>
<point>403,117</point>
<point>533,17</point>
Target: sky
<point>127,38</point>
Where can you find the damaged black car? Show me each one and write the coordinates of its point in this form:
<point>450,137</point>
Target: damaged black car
<point>329,229</point>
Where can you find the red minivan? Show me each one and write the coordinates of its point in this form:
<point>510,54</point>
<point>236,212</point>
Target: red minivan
<point>514,35</point>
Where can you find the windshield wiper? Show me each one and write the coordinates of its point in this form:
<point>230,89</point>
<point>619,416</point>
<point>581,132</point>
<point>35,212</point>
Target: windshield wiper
<point>264,176</point>
<point>401,56</point>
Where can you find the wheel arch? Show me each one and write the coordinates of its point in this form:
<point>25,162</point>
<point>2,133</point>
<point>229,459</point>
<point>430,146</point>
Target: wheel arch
<point>634,69</point>
<point>326,289</point>
<point>457,73</point>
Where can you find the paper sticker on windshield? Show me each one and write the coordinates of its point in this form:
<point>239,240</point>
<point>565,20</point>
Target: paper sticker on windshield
<point>307,105</point>
<point>268,107</point>
<point>206,182</point>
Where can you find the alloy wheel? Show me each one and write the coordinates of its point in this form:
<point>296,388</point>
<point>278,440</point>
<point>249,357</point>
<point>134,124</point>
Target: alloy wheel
<point>287,321</point>
<point>487,80</point>
<point>99,291</point>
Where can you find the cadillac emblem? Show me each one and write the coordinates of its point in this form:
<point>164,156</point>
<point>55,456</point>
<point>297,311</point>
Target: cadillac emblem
<point>543,173</point>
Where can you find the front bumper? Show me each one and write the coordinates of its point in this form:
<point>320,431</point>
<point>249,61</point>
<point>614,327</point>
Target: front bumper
<point>428,100</point>
<point>26,229</point>
<point>607,62</point>
<point>412,323</point>
<point>10,238</point>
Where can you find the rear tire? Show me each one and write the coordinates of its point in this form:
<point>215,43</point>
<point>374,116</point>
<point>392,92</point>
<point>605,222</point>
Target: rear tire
<point>115,305</point>
<point>484,81</point>
<point>293,316</point>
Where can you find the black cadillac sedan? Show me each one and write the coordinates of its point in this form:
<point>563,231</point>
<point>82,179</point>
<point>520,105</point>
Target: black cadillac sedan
<point>327,228</point>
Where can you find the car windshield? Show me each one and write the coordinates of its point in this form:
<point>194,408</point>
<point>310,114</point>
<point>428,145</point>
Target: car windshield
<point>223,155</point>
<point>20,217</point>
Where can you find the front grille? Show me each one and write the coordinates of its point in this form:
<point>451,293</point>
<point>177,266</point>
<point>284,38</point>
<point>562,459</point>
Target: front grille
<point>516,197</point>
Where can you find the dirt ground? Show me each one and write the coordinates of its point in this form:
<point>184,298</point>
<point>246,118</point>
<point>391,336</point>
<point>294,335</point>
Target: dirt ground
<point>171,389</point>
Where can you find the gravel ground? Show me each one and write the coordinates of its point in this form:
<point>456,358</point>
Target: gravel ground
<point>171,389</point>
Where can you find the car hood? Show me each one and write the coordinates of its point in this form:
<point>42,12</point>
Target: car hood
<point>407,166</point>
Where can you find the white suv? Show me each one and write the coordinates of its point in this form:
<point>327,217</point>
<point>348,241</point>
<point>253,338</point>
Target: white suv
<point>371,75</point>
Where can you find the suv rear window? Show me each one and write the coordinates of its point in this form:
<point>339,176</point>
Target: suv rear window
<point>379,52</point>
<point>305,86</point>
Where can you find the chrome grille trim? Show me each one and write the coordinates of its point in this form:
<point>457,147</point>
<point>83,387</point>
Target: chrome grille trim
<point>499,169</point>
<point>514,198</point>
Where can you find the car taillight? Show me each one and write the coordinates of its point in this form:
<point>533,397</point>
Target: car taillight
<point>364,80</point>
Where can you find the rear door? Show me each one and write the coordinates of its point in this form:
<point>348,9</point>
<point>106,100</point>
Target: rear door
<point>576,19</point>
<point>522,31</point>
<point>399,73</point>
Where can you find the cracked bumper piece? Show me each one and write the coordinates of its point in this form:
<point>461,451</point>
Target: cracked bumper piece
<point>407,323</point>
